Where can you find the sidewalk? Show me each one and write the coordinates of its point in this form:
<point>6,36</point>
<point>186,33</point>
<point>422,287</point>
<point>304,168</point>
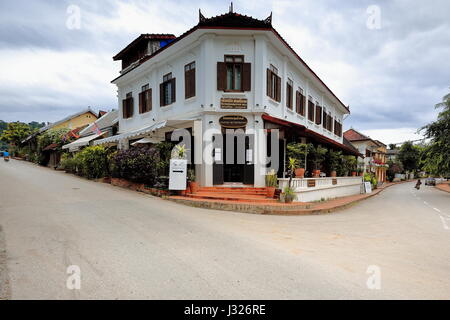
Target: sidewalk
<point>296,208</point>
<point>443,186</point>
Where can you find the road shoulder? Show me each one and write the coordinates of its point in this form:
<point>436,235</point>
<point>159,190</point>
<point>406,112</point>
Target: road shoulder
<point>5,289</point>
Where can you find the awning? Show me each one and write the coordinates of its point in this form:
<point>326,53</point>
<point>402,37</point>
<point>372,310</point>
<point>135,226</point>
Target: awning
<point>146,140</point>
<point>141,132</point>
<point>73,146</point>
<point>310,133</point>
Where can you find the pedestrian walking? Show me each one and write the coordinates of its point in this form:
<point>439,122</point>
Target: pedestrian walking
<point>418,184</point>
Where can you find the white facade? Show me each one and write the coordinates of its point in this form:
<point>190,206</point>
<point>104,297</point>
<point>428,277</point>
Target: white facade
<point>206,47</point>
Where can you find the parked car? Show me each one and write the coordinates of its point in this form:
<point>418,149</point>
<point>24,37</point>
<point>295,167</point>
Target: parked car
<point>430,181</point>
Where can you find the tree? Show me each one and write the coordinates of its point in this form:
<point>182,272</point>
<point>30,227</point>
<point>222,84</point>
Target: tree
<point>409,156</point>
<point>15,133</point>
<point>437,159</point>
<point>392,146</point>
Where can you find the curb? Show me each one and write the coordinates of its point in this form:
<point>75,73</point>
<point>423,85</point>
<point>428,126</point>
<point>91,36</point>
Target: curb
<point>448,191</point>
<point>264,210</point>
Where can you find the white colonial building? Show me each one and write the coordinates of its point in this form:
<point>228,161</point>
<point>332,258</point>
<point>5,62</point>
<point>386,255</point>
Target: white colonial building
<point>227,72</point>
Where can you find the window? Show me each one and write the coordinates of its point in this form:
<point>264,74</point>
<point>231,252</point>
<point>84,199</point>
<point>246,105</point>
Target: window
<point>145,99</point>
<point>167,90</point>
<point>310,110</point>
<point>189,80</point>
<point>337,128</point>
<point>318,113</point>
<point>329,123</point>
<point>289,94</point>
<point>368,153</point>
<point>324,118</point>
<point>233,74</point>
<point>300,102</point>
<point>273,84</point>
<point>127,106</point>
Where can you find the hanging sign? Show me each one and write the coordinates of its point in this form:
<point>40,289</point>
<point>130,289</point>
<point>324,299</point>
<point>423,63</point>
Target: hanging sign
<point>233,121</point>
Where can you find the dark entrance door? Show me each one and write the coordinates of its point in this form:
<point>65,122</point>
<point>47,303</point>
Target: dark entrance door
<point>236,164</point>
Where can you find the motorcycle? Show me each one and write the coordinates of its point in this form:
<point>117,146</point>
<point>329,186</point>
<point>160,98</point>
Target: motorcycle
<point>6,159</point>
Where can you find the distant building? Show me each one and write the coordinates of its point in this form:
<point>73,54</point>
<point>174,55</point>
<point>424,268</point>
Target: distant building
<point>374,152</point>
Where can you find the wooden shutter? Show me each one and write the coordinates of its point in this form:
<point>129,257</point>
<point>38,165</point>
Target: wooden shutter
<point>130,107</point>
<point>297,102</point>
<point>173,93</point>
<point>192,81</point>
<point>161,95</point>
<point>318,114</point>
<point>246,76</point>
<point>268,83</point>
<point>141,102</point>
<point>124,108</point>
<point>148,97</point>
<point>221,76</point>
<point>278,93</point>
<point>302,105</point>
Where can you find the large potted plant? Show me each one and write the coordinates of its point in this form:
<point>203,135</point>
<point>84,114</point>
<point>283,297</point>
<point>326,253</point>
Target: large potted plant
<point>318,156</point>
<point>271,183</point>
<point>349,163</point>
<point>192,184</point>
<point>334,161</point>
<point>298,151</point>
<point>289,195</point>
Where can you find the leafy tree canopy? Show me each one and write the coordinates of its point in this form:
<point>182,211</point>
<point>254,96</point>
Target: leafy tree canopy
<point>409,156</point>
<point>15,132</point>
<point>437,154</point>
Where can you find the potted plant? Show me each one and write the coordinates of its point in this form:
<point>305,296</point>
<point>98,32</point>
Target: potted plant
<point>349,163</point>
<point>289,195</point>
<point>192,184</point>
<point>271,183</point>
<point>319,154</point>
<point>298,151</point>
<point>334,160</point>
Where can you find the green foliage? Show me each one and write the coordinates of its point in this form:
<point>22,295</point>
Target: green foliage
<point>349,164</point>
<point>334,160</point>
<point>409,156</point>
<point>436,159</point>
<point>53,136</point>
<point>180,151</point>
<point>367,177</point>
<point>15,132</point>
<point>289,194</point>
<point>165,152</point>
<point>394,167</point>
<point>318,154</point>
<point>374,182</point>
<point>94,163</point>
<point>271,179</point>
<point>298,151</point>
<point>191,175</point>
<point>137,165</point>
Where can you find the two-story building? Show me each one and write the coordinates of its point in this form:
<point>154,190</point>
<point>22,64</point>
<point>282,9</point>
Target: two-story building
<point>229,72</point>
<point>374,152</point>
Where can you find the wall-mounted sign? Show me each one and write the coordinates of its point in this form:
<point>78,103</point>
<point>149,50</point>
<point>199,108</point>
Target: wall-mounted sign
<point>233,121</point>
<point>233,103</point>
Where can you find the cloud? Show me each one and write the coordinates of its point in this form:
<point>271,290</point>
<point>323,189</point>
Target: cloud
<point>391,77</point>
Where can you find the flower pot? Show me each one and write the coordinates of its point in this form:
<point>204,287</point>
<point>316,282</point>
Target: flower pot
<point>193,186</point>
<point>300,173</point>
<point>353,173</point>
<point>270,192</point>
<point>317,173</point>
<point>288,198</point>
<point>333,173</point>
<point>361,174</point>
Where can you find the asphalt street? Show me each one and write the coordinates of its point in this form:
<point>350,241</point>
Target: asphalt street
<point>129,245</point>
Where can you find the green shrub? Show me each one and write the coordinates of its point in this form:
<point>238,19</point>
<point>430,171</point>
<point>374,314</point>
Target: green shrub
<point>93,161</point>
<point>137,165</point>
<point>271,179</point>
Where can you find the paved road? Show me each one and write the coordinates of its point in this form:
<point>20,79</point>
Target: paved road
<point>131,245</point>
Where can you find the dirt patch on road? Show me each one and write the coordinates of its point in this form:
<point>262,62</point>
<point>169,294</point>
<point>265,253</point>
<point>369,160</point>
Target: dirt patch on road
<point>5,289</point>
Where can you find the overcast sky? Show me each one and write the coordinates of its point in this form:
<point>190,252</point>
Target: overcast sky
<point>391,70</point>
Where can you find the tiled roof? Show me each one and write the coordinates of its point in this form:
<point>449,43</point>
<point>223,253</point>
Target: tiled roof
<point>145,36</point>
<point>234,20</point>
<point>52,146</point>
<point>353,135</point>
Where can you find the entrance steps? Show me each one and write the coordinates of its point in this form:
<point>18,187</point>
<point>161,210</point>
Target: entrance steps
<point>238,194</point>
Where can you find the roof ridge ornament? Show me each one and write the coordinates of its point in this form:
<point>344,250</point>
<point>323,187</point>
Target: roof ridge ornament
<point>269,18</point>
<point>201,17</point>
